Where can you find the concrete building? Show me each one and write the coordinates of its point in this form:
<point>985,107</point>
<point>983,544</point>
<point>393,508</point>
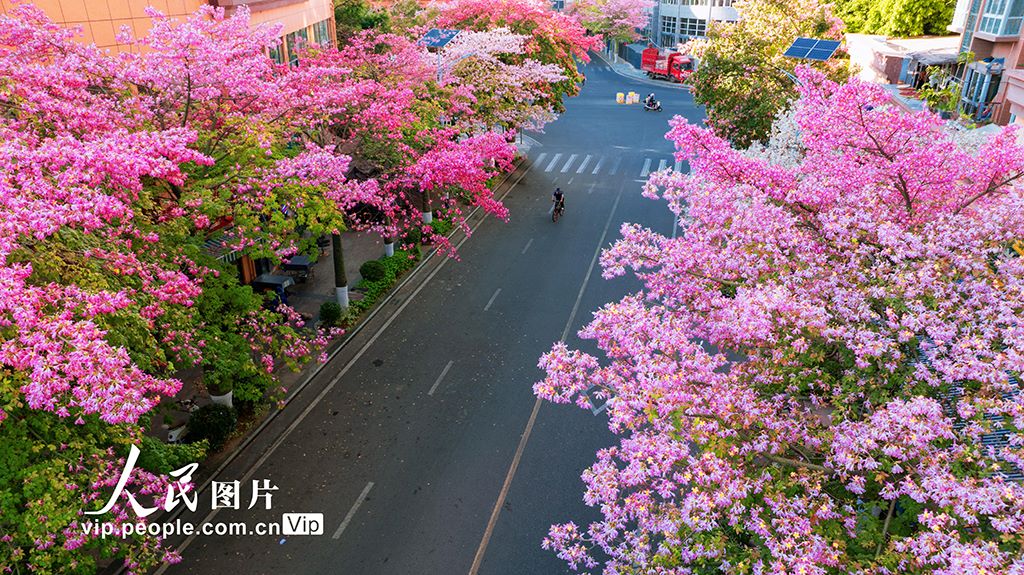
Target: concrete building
<point>675,21</point>
<point>101,20</point>
<point>993,84</point>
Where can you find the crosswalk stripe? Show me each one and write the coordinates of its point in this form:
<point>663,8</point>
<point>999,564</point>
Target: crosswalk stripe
<point>678,167</point>
<point>583,166</point>
<point>662,165</point>
<point>554,161</point>
<point>647,168</point>
<point>540,158</point>
<point>597,167</point>
<point>615,166</point>
<point>569,162</point>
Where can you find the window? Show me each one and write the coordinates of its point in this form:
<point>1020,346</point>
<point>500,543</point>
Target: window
<point>322,33</point>
<point>1002,17</point>
<point>692,27</point>
<point>276,54</point>
<point>668,25</point>
<point>296,41</point>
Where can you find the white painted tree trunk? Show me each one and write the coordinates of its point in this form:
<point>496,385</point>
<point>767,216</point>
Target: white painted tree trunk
<point>428,217</point>
<point>341,295</point>
<point>223,399</point>
<point>389,249</point>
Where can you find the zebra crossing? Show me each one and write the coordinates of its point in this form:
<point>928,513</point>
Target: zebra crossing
<point>561,163</point>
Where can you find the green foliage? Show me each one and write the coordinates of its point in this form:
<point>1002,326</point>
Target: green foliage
<point>213,423</point>
<point>330,313</point>
<point>353,16</point>
<point>441,227</point>
<point>743,79</point>
<point>46,466</point>
<point>939,93</point>
<point>900,18</point>
<point>162,458</point>
<point>373,271</point>
<point>412,236</point>
<point>393,266</point>
<point>228,356</point>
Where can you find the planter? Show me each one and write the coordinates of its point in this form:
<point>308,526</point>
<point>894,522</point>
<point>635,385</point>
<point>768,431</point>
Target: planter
<point>224,400</point>
<point>175,435</point>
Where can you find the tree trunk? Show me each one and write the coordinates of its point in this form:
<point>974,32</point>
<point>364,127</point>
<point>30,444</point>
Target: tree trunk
<point>428,215</point>
<point>389,247</point>
<point>340,279</point>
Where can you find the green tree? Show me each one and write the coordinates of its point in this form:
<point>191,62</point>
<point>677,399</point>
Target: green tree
<point>744,80</point>
<point>896,17</point>
<point>353,16</point>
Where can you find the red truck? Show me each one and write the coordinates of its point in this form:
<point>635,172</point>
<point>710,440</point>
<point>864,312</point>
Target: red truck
<point>666,65</point>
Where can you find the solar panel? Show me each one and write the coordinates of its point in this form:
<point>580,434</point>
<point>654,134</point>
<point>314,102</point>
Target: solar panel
<point>438,37</point>
<point>812,49</point>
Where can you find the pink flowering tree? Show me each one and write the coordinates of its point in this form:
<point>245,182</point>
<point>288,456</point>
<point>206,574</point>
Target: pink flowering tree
<point>115,171</point>
<point>819,375</point>
<point>498,92</point>
<point>554,38</point>
<point>613,19</point>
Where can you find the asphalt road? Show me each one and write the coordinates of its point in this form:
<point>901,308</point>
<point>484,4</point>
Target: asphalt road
<point>410,448</point>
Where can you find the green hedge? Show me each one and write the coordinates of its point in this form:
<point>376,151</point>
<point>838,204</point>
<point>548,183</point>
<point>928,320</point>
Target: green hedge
<point>393,266</point>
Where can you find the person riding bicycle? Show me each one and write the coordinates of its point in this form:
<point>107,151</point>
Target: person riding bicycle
<point>558,198</point>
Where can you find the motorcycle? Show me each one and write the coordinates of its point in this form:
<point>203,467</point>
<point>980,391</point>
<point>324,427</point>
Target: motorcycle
<point>655,107</point>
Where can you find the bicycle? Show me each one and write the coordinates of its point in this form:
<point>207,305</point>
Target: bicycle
<point>557,212</point>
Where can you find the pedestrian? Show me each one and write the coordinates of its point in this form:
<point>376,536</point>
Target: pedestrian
<point>583,77</point>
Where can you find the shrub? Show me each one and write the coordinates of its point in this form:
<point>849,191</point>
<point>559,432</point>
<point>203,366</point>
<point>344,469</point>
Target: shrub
<point>162,458</point>
<point>214,423</point>
<point>412,236</point>
<point>373,271</point>
<point>441,227</point>
<point>330,312</point>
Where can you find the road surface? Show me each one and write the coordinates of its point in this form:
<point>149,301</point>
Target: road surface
<point>409,448</point>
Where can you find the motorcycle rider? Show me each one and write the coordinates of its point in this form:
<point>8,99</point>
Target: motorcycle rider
<point>558,198</point>
<point>650,102</point>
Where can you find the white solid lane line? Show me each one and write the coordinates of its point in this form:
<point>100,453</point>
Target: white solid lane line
<point>491,301</point>
<point>482,549</point>
<point>437,381</point>
<point>352,512</point>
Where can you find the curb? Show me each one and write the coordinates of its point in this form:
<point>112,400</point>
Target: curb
<point>644,80</point>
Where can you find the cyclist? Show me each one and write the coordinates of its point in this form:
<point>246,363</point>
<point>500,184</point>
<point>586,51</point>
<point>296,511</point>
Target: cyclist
<point>558,198</point>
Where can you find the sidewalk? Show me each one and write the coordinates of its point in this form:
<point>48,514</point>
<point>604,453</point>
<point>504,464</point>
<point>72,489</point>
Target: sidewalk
<point>306,298</point>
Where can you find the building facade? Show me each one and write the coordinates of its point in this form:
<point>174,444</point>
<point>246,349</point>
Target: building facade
<point>993,82</point>
<point>102,20</point>
<point>676,21</point>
